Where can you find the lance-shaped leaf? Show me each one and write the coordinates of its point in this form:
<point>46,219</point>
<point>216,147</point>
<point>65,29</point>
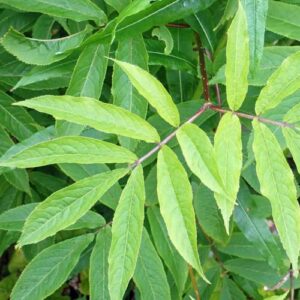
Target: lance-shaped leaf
<point>256,12</point>
<point>153,91</point>
<point>169,254</point>
<point>237,57</point>
<point>14,219</point>
<point>126,235</point>
<point>125,95</point>
<point>229,158</point>
<point>282,83</point>
<point>292,135</point>
<point>41,52</point>
<point>176,205</point>
<point>64,207</point>
<point>277,184</point>
<point>149,274</point>
<point>87,81</point>
<point>283,18</point>
<point>50,269</point>
<point>18,122</point>
<point>200,156</point>
<point>99,265</point>
<point>77,10</point>
<point>73,149</point>
<point>89,73</point>
<point>91,112</point>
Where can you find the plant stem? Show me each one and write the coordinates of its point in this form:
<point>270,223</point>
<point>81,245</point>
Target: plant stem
<point>202,67</point>
<point>170,136</point>
<point>194,283</point>
<point>252,117</point>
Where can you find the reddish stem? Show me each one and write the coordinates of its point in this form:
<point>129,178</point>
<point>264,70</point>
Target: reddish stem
<point>202,67</point>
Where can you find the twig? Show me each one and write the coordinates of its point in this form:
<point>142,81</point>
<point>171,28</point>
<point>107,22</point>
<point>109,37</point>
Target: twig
<point>194,283</point>
<point>170,136</point>
<point>202,67</point>
<point>252,117</point>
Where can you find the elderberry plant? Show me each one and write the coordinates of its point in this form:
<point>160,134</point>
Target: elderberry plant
<point>149,149</point>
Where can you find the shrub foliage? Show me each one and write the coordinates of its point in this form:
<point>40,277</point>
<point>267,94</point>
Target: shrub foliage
<point>149,149</point>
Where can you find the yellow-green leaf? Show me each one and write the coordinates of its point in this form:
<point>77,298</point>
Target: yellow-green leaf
<point>282,83</point>
<point>200,156</point>
<point>91,112</point>
<point>70,149</point>
<point>229,158</point>
<point>126,235</point>
<point>176,205</point>
<point>64,207</point>
<point>277,184</point>
<point>50,269</point>
<point>153,91</point>
<point>237,60</point>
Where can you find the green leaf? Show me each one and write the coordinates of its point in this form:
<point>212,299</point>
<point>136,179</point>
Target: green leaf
<point>229,158</point>
<point>252,270</point>
<point>172,259</point>
<point>271,60</point>
<point>42,27</point>
<point>18,178</point>
<point>176,205</point>
<point>81,150</point>
<point>124,93</point>
<point>149,274</point>
<point>153,91</point>
<point>126,235</point>
<point>64,207</point>
<point>200,156</point>
<point>16,120</point>
<point>230,291</point>
<point>87,80</point>
<point>292,135</point>
<point>277,184</point>
<point>208,213</point>
<point>283,19</point>
<point>52,76</point>
<point>256,230</point>
<point>237,57</point>
<point>163,34</point>
<point>50,269</point>
<point>159,13</point>
<point>77,10</point>
<point>202,23</point>
<point>89,73</point>
<point>101,116</point>
<point>256,12</point>
<point>78,172</point>
<point>98,273</point>
<point>118,5</point>
<point>282,83</point>
<point>41,52</point>
<point>14,219</point>
<point>239,246</point>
